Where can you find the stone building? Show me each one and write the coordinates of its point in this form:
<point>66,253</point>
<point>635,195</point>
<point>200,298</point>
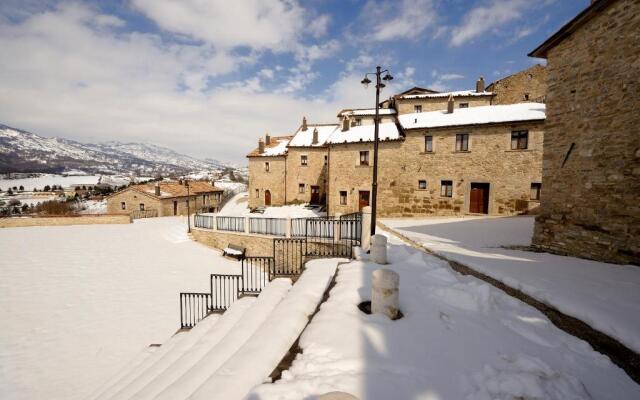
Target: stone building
<point>591,166</point>
<point>268,172</point>
<point>529,85</point>
<point>484,160</point>
<point>166,198</point>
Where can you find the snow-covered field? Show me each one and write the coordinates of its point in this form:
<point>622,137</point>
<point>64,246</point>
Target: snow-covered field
<point>606,296</point>
<point>238,206</point>
<point>77,303</point>
<point>49,179</point>
<point>460,338</point>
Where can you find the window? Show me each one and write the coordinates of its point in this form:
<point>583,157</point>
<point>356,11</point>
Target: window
<point>303,160</point>
<point>343,198</point>
<point>519,140</point>
<point>463,105</point>
<point>422,184</point>
<point>204,198</point>
<point>417,108</point>
<point>446,188</point>
<point>357,122</point>
<point>266,167</point>
<point>123,205</point>
<point>326,160</point>
<point>526,96</point>
<point>141,206</point>
<point>364,158</point>
<point>301,188</point>
<point>535,190</point>
<point>428,144</point>
<point>462,142</point>
<point>257,193</point>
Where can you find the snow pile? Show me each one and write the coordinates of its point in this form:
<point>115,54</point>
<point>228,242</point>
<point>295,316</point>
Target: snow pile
<point>459,93</point>
<point>85,300</point>
<point>238,206</point>
<point>474,116</point>
<point>305,138</point>
<point>277,150</point>
<point>477,343</point>
<point>365,133</point>
<point>600,294</point>
<point>260,355</point>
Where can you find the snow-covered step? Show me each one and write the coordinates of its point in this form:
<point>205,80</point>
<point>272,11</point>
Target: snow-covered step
<point>260,355</point>
<point>152,369</point>
<point>187,360</point>
<point>253,318</point>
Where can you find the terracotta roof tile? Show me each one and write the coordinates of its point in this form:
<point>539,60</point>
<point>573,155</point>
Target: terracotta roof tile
<point>175,189</point>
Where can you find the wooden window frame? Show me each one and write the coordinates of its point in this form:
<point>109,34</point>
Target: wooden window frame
<point>462,142</point>
<point>267,166</point>
<point>304,160</point>
<point>123,205</point>
<point>257,193</point>
<point>520,140</point>
<point>417,108</point>
<point>364,158</point>
<point>428,144</point>
<point>301,188</point>
<point>537,187</point>
<point>420,184</point>
<point>141,206</point>
<point>446,188</point>
<point>343,197</point>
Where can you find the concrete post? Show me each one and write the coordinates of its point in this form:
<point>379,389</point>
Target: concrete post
<point>384,292</point>
<point>336,226</point>
<point>379,249</point>
<point>365,235</point>
<point>246,225</point>
<point>214,224</point>
<point>287,228</point>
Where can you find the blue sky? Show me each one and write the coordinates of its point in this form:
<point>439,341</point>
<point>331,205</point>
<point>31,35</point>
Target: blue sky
<point>208,77</point>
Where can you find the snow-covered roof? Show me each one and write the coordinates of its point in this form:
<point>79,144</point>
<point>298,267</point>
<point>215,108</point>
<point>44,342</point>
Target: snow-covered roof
<point>474,116</point>
<point>277,147</point>
<point>365,133</point>
<point>305,138</point>
<point>366,111</point>
<point>459,93</point>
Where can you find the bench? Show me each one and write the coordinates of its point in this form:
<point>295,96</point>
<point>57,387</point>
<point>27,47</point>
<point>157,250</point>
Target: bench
<point>234,251</point>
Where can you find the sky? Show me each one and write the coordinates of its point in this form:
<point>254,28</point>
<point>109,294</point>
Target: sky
<point>208,77</point>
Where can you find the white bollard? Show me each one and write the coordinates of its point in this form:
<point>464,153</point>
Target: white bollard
<point>379,249</point>
<point>365,235</point>
<point>384,292</point>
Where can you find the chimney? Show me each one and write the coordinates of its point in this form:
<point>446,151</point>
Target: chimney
<point>304,124</point>
<point>450,104</point>
<point>157,189</point>
<point>315,136</point>
<point>345,124</point>
<point>267,139</point>
<point>480,85</point>
<point>260,146</point>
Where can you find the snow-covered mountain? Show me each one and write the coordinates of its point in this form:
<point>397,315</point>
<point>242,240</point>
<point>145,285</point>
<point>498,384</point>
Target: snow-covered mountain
<point>22,151</point>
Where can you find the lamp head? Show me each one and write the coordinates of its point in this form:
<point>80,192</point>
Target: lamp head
<point>365,82</point>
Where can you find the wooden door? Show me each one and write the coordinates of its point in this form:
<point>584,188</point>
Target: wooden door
<point>479,198</point>
<point>315,194</point>
<point>175,208</point>
<point>267,198</point>
<point>363,199</point>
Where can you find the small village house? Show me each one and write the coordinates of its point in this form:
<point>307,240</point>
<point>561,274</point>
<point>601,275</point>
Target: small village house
<point>267,172</point>
<point>165,198</point>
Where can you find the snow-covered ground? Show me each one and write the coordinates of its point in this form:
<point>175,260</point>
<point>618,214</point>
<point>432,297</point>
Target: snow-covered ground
<point>606,296</point>
<point>460,338</point>
<point>78,303</point>
<point>238,206</point>
<point>93,206</point>
<point>49,179</point>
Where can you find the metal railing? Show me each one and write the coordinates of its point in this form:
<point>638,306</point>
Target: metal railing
<point>231,224</point>
<point>350,230</point>
<point>288,256</point>
<point>138,214</point>
<point>268,226</point>
<point>256,273</point>
<point>224,291</point>
<point>193,308</point>
<point>203,221</point>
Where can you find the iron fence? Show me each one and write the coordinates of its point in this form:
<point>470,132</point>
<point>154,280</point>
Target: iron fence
<point>138,214</point>
<point>268,226</point>
<point>288,256</point>
<point>351,226</point>
<point>203,221</point>
<point>224,291</point>
<point>256,273</point>
<point>231,224</point>
<point>193,308</point>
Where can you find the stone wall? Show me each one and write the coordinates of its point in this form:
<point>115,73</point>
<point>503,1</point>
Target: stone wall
<point>261,180</point>
<point>256,245</point>
<point>403,164</point>
<point>93,219</point>
<point>591,169</point>
<point>406,106</point>
<point>524,86</point>
<point>313,174</point>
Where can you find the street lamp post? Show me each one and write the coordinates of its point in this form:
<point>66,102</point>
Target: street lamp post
<point>374,184</point>
<point>186,183</point>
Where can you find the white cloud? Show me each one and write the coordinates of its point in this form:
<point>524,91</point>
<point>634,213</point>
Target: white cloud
<point>266,73</point>
<point>441,82</point>
<point>407,19</point>
<point>486,17</point>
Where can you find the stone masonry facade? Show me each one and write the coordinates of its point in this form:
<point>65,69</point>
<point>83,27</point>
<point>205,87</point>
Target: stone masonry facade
<point>591,167</point>
<point>271,179</point>
<point>302,179</point>
<point>523,86</point>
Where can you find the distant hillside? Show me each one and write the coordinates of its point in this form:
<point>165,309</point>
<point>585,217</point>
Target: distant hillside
<point>22,151</point>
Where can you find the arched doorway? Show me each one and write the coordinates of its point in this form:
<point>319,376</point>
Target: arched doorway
<point>267,198</point>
